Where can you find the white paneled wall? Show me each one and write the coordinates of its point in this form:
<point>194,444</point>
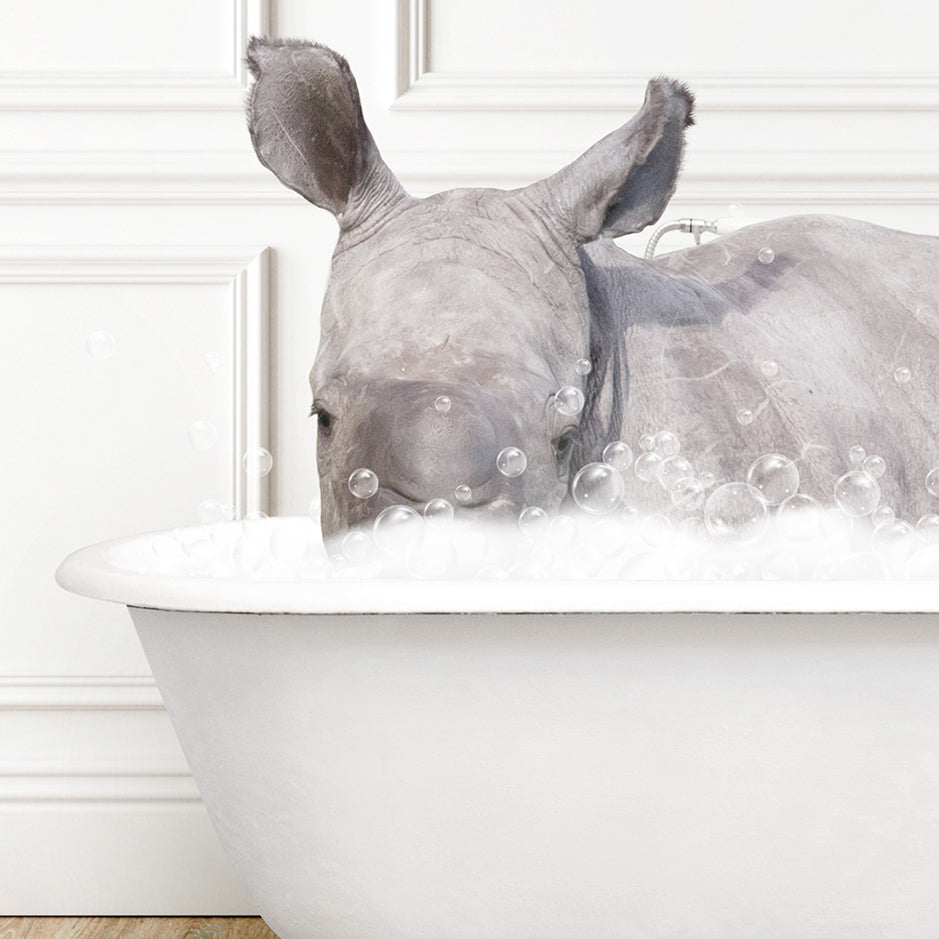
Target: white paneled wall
<point>131,204</point>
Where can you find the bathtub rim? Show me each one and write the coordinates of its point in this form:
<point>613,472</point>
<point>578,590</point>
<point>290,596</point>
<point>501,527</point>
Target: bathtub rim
<point>92,572</point>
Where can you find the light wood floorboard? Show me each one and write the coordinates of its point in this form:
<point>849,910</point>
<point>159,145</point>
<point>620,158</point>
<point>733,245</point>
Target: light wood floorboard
<point>134,927</point>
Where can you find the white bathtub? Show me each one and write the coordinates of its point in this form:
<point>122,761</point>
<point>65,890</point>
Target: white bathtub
<point>565,760</point>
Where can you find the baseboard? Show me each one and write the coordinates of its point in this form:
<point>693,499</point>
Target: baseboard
<point>116,860</point>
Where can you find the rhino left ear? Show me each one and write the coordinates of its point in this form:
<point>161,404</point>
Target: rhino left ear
<point>307,128</point>
<point>624,181</point>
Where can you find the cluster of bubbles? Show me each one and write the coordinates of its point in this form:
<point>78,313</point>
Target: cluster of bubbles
<point>807,542</point>
<point>764,508</point>
<point>759,527</point>
<point>857,537</point>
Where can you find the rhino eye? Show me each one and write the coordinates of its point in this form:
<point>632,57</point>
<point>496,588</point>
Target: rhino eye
<point>563,446</point>
<point>323,418</point>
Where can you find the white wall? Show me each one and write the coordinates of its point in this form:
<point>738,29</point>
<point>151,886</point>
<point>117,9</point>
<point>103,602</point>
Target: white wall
<point>131,203</point>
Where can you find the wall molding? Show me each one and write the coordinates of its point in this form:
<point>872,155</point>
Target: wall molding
<point>88,177</point>
<point>714,91</point>
<point>420,88</point>
<point>79,693</point>
<point>412,43</point>
<point>124,90</point>
<point>102,778</point>
<point>98,781</point>
<point>243,270</point>
<point>772,176</point>
<point>223,178</point>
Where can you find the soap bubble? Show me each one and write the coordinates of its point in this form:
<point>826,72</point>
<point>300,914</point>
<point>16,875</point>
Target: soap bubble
<point>166,547</point>
<point>224,536</point>
<point>438,512</point>
<point>363,483</point>
<point>766,255</point>
<point>562,531</point>
<point>894,541</point>
<point>656,530</point>
<point>775,476</point>
<point>932,482</point>
<point>857,493</point>
<point>442,403</point>
<point>744,416</point>
<point>902,375</point>
<point>357,547</point>
<point>875,466</point>
<point>769,369</point>
<point>598,488</point>
<point>291,545</point>
<point>215,363</point>
<point>735,512</point>
<point>432,558</point>
<point>619,455</point>
<point>928,528</point>
<point>835,525</point>
<point>707,479</point>
<point>735,210</point>
<point>798,517</point>
<point>533,521</point>
<point>511,461</point>
<point>212,511</point>
<point>687,493</point>
<point>257,462</point>
<point>249,554</point>
<point>100,345</point>
<point>780,566</point>
<point>924,564</point>
<point>397,528</point>
<point>673,469</point>
<point>203,435</point>
<point>201,552</point>
<point>463,494</point>
<point>882,515</point>
<point>583,367</point>
<point>648,466</point>
<point>646,442</point>
<point>857,455</point>
<point>666,444</point>
<point>569,401</point>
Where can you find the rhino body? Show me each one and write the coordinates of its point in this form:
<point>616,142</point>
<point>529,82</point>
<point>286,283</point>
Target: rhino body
<point>842,309</point>
<point>489,299</point>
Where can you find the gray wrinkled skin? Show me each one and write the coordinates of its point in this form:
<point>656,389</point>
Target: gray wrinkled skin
<point>490,297</point>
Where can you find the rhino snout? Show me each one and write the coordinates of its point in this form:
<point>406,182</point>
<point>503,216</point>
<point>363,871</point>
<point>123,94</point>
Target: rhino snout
<point>430,440</point>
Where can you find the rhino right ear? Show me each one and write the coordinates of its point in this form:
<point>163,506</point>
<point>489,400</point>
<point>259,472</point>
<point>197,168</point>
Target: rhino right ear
<point>307,128</point>
<point>624,182</point>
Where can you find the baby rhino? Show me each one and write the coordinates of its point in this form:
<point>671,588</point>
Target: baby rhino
<point>481,346</point>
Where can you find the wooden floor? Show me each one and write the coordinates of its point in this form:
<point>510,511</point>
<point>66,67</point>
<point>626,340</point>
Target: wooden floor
<point>133,927</point>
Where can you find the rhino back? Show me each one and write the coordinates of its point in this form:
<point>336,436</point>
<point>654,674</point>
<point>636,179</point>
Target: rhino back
<point>681,341</point>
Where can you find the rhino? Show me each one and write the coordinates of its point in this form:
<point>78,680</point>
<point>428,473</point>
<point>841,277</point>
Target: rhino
<point>451,323</point>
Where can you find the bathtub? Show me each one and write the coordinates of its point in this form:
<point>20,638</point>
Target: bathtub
<point>565,760</point>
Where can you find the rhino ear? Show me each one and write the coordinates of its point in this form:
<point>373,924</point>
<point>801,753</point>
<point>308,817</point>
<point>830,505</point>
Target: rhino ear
<point>624,181</point>
<point>307,128</point>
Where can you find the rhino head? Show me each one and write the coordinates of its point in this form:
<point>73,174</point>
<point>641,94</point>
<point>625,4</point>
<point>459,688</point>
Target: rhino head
<point>450,323</point>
